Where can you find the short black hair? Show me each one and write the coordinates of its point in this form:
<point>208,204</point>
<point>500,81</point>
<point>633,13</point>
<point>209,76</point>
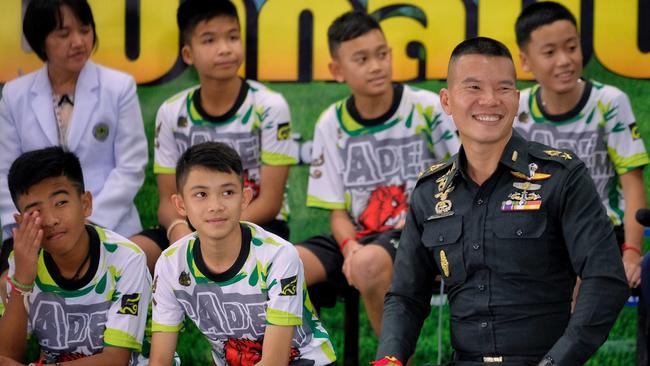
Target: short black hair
<point>480,46</point>
<point>211,155</point>
<point>42,17</point>
<point>192,12</point>
<point>537,15</point>
<point>350,25</point>
<point>33,167</point>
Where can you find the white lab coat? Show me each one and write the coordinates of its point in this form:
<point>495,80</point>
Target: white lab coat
<point>113,163</point>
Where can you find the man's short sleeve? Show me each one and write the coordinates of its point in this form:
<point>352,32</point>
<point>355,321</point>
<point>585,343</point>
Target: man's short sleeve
<point>127,315</point>
<point>325,189</point>
<point>166,152</point>
<point>168,314</point>
<point>278,146</point>
<point>624,142</point>
<point>285,288</point>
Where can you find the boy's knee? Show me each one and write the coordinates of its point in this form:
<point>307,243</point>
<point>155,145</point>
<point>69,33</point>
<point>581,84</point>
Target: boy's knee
<point>370,270</point>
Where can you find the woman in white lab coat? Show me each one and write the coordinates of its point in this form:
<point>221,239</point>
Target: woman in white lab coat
<point>90,110</point>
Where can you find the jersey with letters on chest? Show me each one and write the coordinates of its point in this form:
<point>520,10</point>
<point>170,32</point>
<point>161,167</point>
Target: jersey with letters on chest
<point>369,167</point>
<point>258,127</point>
<point>601,130</point>
<point>106,307</point>
<point>264,286</point>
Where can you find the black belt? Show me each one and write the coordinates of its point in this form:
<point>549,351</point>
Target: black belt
<point>496,359</point>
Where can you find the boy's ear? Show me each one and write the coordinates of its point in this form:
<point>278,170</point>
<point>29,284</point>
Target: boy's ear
<point>186,53</point>
<point>247,195</point>
<point>87,203</point>
<point>335,70</point>
<point>524,61</point>
<point>179,204</point>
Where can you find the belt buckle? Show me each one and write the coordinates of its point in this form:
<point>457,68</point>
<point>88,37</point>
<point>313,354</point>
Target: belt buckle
<point>492,359</point>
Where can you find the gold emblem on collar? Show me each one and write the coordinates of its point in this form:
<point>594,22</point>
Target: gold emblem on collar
<point>444,205</point>
<point>431,169</point>
<point>560,154</point>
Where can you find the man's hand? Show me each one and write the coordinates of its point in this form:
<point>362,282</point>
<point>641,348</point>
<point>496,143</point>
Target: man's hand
<point>632,265</point>
<point>27,243</point>
<point>348,252</point>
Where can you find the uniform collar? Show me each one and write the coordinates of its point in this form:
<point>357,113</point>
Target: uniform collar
<point>515,157</point>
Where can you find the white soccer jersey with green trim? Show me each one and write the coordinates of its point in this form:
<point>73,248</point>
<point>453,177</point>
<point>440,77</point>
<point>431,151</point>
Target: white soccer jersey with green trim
<point>370,170</point>
<point>109,310</point>
<point>601,130</point>
<point>258,127</point>
<point>232,309</point>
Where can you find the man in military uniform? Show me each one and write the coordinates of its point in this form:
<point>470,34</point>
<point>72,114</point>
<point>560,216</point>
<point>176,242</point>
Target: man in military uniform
<point>508,224</point>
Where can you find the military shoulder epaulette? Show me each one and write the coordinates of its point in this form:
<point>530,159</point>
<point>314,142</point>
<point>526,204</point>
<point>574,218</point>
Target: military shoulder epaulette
<point>436,167</point>
<point>564,157</point>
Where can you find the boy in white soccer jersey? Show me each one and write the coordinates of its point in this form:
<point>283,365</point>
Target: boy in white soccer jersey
<point>368,151</point>
<point>592,119</point>
<point>254,120</point>
<point>81,290</point>
<point>241,285</point>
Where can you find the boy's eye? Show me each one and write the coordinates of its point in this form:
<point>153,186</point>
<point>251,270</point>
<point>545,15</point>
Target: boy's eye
<point>60,203</point>
<point>228,193</point>
<point>360,60</point>
<point>200,194</point>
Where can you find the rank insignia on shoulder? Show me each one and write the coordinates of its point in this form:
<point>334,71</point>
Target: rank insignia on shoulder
<point>444,263</point>
<point>536,176</point>
<point>432,169</point>
<point>559,154</point>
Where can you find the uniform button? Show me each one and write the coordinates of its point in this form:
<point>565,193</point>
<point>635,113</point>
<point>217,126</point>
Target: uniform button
<point>484,325</point>
<point>441,238</point>
<point>519,232</point>
<point>479,201</point>
<point>481,287</point>
<point>476,246</point>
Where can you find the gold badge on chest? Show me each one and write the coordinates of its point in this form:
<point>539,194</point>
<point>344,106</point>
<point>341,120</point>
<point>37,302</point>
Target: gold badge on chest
<point>444,205</point>
<point>526,199</point>
<point>444,263</point>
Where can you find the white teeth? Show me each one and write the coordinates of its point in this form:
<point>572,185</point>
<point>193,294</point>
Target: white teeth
<point>487,118</point>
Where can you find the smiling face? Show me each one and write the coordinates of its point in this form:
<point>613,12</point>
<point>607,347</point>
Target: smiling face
<point>482,98</point>
<point>364,63</point>
<point>215,48</point>
<point>69,47</point>
<point>63,211</point>
<point>554,56</point>
<point>213,202</point>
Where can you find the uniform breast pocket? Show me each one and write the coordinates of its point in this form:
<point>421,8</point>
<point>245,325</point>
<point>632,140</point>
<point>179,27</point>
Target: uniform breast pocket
<point>442,237</point>
<point>521,246</point>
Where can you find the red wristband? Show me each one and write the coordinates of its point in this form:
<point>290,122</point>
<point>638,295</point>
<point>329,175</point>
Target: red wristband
<point>386,360</point>
<point>345,242</point>
<point>626,246</point>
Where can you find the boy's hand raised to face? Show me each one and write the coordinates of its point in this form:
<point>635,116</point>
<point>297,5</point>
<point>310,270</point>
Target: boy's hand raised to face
<point>27,242</point>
